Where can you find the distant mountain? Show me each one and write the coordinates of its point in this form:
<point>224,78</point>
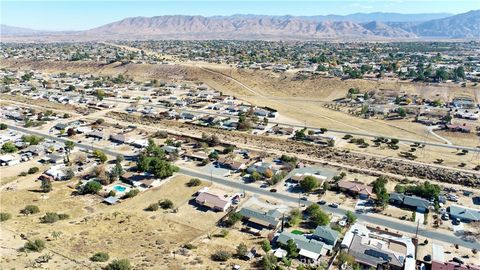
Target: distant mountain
<point>371,26</point>
<point>384,17</point>
<point>465,25</point>
<point>6,30</point>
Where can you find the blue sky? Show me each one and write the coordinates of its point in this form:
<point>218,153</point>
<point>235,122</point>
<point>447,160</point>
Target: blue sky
<point>80,15</point>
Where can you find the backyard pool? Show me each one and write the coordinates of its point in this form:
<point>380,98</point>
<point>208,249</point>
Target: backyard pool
<point>119,188</point>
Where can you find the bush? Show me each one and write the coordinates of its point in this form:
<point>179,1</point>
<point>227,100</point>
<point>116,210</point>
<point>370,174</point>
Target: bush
<point>3,126</point>
<point>5,216</point>
<point>221,256</point>
<point>51,217</point>
<point>152,207</point>
<point>91,187</point>
<point>30,209</point>
<point>232,219</point>
<point>166,204</point>
<point>100,257</point>
<point>131,193</point>
<point>123,264</point>
<point>194,182</point>
<point>35,245</point>
<point>33,170</point>
<point>266,245</point>
<point>23,174</point>
<point>189,246</point>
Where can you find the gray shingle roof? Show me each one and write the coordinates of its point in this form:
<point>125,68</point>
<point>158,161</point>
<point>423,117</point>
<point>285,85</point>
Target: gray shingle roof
<point>327,234</point>
<point>465,213</point>
<point>267,217</point>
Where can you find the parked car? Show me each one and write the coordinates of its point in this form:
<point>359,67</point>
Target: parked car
<point>456,221</point>
<point>322,202</point>
<point>273,190</point>
<point>333,205</point>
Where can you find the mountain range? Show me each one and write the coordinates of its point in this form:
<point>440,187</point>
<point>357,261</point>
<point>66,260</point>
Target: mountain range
<point>354,26</point>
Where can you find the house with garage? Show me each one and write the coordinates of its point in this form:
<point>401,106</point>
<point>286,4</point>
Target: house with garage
<point>464,214</point>
<point>326,235</point>
<point>213,201</point>
<point>355,189</point>
<point>265,219</point>
<point>309,250</point>
<point>413,202</point>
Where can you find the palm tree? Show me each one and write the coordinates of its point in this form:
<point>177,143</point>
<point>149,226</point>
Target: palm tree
<point>69,145</point>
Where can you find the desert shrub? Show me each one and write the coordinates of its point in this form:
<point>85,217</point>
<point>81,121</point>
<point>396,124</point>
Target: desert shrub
<point>221,256</point>
<point>152,207</point>
<point>122,264</point>
<point>33,170</point>
<point>35,245</point>
<point>194,182</point>
<point>30,209</point>
<point>131,193</point>
<point>5,216</point>
<point>166,204</point>
<point>100,257</point>
<point>51,217</point>
<point>189,246</point>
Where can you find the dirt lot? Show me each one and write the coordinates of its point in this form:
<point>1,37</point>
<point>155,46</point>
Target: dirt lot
<point>125,230</point>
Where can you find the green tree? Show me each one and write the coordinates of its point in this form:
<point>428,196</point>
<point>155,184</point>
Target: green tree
<point>100,94</point>
<point>269,262</point>
<point>291,248</point>
<point>402,112</point>
<point>242,250</point>
<point>92,187</point>
<point>9,147</point>
<point>266,245</point>
<point>351,217</point>
<point>46,185</point>
<point>308,183</point>
<point>255,176</point>
<point>69,145</point>
<point>100,155</point>
<point>319,218</point>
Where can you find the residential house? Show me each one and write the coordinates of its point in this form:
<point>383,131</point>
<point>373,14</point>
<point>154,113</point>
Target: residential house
<point>214,201</point>
<point>464,214</point>
<point>198,156</point>
<point>96,134</point>
<point>309,249</point>
<point>414,202</point>
<point>270,219</point>
<point>231,163</point>
<point>300,176</point>
<point>458,128</point>
<point>326,235</point>
<point>119,138</point>
<point>453,266</point>
<point>379,249</point>
<point>355,188</point>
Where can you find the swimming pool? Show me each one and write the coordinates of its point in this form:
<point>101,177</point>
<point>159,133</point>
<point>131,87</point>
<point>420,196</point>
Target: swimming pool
<point>119,188</point>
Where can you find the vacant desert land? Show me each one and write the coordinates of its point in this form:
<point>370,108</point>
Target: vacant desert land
<point>125,230</point>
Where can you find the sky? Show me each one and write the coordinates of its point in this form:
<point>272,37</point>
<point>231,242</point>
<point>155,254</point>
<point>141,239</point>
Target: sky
<point>82,15</point>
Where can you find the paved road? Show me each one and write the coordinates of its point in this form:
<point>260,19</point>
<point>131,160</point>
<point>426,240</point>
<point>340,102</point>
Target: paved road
<point>399,225</point>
